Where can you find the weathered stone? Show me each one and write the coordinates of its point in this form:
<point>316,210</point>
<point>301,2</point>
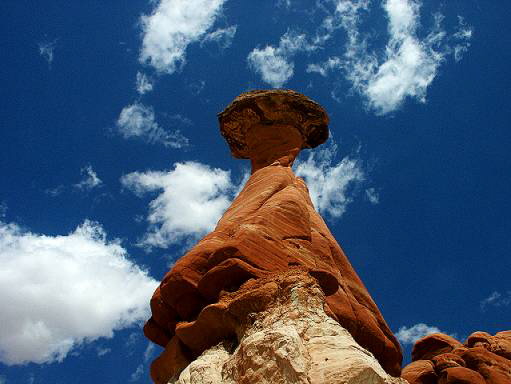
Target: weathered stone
<point>447,360</point>
<point>420,372</point>
<point>433,345</point>
<point>270,227</point>
<point>288,340</point>
<point>495,369</point>
<point>460,375</point>
<point>500,344</point>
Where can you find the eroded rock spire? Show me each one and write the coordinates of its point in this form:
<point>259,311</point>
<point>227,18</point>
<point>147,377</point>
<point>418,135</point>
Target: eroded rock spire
<point>270,229</point>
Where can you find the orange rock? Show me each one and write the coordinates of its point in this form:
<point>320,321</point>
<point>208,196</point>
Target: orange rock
<point>460,375</point>
<point>484,359</point>
<point>433,345</point>
<point>495,369</point>
<point>447,360</point>
<point>420,372</point>
<point>270,227</point>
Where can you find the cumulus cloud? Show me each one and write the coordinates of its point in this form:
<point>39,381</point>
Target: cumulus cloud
<point>274,63</point>
<point>61,291</point>
<point>90,179</point>
<point>143,84</point>
<point>410,63</point>
<point>409,335</point>
<point>330,184</point>
<point>222,37</point>
<point>171,27</point>
<point>496,299</point>
<point>138,120</point>
<point>46,50</point>
<point>192,197</point>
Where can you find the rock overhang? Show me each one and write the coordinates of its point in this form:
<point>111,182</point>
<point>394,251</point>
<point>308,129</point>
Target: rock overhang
<point>278,107</point>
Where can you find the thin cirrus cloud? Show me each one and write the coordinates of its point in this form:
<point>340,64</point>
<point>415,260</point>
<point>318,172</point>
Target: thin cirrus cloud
<point>46,50</point>
<point>496,299</point>
<point>274,64</point>
<point>330,183</point>
<point>191,198</point>
<point>171,27</point>
<point>138,121</point>
<point>409,335</point>
<point>75,288</point>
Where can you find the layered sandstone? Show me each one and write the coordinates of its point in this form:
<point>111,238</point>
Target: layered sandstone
<point>287,339</point>
<point>440,359</point>
<point>271,227</point>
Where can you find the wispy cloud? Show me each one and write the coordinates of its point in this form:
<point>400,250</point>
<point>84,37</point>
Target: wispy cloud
<point>372,195</point>
<point>192,197</point>
<point>143,83</point>
<point>171,27</point>
<point>325,67</point>
<point>102,351</point>
<point>330,183</point>
<point>222,37</point>
<point>409,335</point>
<point>410,63</point>
<point>138,121</point>
<point>274,63</point>
<point>462,38</point>
<point>496,299</point>
<point>90,179</point>
<point>46,50</point>
<point>94,289</point>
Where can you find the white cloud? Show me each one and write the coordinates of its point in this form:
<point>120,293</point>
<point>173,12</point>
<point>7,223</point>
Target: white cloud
<point>60,291</point>
<point>274,64</point>
<point>46,50</point>
<point>171,27</point>
<point>102,351</point>
<point>192,197</point>
<point>410,63</point>
<point>90,179</point>
<point>330,183</point>
<point>372,195</point>
<point>222,37</point>
<point>138,120</point>
<point>135,376</point>
<point>409,335</point>
<point>325,67</point>
<point>144,84</point>
<point>3,210</point>
<point>496,299</point>
<point>462,38</point>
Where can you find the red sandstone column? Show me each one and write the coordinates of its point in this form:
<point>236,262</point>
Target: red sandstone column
<point>271,226</point>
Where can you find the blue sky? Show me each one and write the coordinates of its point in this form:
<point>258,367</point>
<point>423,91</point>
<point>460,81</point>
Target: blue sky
<point>113,164</point>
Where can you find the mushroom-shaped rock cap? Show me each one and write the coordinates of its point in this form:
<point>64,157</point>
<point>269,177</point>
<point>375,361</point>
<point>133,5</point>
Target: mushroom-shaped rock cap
<point>272,107</point>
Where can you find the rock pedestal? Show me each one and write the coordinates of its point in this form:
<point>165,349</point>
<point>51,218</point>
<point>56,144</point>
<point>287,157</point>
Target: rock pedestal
<point>270,229</point>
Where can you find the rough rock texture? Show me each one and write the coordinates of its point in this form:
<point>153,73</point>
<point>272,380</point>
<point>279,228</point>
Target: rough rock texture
<point>289,340</point>
<point>482,359</point>
<point>270,227</point>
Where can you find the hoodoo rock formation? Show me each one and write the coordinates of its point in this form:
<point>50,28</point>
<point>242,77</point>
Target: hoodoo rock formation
<point>271,234</point>
<point>441,359</point>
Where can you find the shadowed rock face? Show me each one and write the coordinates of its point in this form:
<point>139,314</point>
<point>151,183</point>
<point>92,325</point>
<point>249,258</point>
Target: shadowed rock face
<point>440,359</point>
<point>270,227</point>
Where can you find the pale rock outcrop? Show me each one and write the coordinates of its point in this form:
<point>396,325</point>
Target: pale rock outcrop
<point>291,340</point>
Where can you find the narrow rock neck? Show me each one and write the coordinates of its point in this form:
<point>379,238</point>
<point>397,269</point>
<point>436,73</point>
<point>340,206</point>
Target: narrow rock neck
<point>270,143</point>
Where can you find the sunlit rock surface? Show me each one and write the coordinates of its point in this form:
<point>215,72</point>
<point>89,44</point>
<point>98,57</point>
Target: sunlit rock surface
<point>271,227</point>
<point>440,359</point>
<point>289,339</point>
